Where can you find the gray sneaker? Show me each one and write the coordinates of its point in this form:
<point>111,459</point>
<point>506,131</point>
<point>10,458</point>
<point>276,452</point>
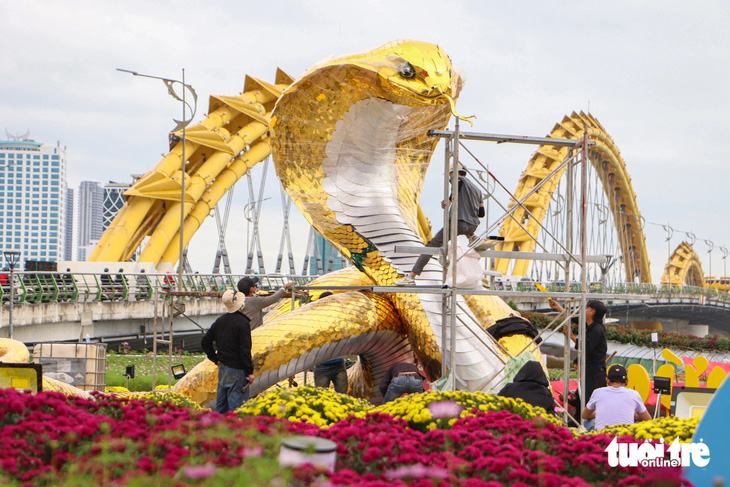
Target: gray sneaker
<point>480,244</point>
<point>406,281</point>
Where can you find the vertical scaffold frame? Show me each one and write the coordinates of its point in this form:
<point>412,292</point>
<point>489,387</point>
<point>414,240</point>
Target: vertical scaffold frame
<point>451,159</point>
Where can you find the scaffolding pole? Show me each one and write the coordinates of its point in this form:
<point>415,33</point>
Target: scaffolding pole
<point>568,324</point>
<point>583,283</point>
<point>453,235</point>
<point>442,253</point>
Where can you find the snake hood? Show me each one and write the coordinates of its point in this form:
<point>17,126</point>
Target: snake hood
<point>379,103</point>
<point>351,147</point>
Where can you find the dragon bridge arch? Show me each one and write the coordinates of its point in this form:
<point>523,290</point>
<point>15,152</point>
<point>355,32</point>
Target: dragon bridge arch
<point>219,150</point>
<point>683,268</point>
<point>521,231</point>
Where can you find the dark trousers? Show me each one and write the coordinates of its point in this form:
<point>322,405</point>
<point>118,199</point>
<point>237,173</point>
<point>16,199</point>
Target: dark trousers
<point>335,373</point>
<point>462,228</point>
<point>595,379</point>
<point>403,384</point>
<point>231,394</point>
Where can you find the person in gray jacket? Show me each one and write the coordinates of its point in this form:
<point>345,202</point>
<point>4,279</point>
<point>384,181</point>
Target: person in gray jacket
<point>254,306</point>
<point>470,210</point>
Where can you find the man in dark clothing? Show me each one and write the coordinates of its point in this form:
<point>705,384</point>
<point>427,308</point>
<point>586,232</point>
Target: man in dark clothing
<point>470,210</point>
<point>531,385</point>
<point>573,401</point>
<point>596,346</point>
<point>332,371</point>
<point>231,334</point>
<point>401,378</point>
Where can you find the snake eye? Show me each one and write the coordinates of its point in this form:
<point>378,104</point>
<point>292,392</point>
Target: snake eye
<point>407,71</point>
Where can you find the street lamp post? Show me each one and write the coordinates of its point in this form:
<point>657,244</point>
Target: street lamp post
<point>12,257</point>
<point>181,124</point>
<point>710,246</point>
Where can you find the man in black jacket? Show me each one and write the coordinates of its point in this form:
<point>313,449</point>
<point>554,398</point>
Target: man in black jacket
<point>231,334</point>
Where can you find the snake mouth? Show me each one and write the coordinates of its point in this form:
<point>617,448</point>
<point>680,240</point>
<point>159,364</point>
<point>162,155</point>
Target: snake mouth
<point>452,105</point>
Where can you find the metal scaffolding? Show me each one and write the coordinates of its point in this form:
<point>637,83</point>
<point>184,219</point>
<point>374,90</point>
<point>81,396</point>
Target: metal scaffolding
<point>448,254</point>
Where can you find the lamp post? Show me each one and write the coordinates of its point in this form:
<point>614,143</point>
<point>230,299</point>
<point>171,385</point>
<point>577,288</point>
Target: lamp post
<point>710,246</point>
<point>181,124</point>
<point>12,257</point>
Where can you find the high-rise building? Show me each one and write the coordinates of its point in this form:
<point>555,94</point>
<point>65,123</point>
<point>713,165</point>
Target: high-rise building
<point>32,199</point>
<point>113,201</point>
<point>69,239</point>
<point>90,223</point>
<point>324,257</point>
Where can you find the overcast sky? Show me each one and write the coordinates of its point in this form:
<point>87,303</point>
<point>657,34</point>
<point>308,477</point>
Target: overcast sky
<point>654,73</point>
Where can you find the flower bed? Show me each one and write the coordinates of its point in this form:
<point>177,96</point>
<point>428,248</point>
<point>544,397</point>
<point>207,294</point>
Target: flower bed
<point>316,405</point>
<point>115,389</point>
<point>430,410</point>
<point>324,407</point>
<point>49,439</point>
<point>668,428</point>
<point>486,450</point>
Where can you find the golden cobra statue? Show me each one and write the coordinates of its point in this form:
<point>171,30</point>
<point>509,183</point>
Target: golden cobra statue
<point>351,147</point>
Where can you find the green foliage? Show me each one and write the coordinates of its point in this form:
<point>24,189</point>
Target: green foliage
<point>116,364</point>
<point>622,334</point>
<point>557,374</point>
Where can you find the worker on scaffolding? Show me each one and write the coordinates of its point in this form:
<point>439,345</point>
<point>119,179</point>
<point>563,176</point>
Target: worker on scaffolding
<point>470,210</point>
<point>255,304</point>
<point>596,345</point>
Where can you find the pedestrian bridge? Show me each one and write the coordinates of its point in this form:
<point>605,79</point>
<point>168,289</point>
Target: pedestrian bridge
<point>52,306</point>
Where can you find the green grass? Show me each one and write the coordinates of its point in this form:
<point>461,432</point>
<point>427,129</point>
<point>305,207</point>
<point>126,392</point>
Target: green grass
<point>116,364</point>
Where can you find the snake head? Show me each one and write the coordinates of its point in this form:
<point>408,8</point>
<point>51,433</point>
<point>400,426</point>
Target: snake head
<point>420,72</point>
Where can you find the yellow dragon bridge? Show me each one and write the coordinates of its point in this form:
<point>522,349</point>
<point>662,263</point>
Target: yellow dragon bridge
<point>350,146</point>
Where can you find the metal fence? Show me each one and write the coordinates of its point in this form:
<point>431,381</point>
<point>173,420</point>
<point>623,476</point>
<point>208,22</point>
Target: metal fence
<point>46,287</point>
<point>645,289</point>
<point>49,287</point>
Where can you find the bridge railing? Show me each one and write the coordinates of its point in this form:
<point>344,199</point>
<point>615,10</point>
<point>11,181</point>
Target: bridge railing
<point>49,287</point>
<point>46,287</point>
<point>657,290</point>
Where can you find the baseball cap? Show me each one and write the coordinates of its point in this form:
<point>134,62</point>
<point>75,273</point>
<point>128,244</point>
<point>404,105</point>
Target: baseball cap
<point>617,373</point>
<point>246,283</point>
